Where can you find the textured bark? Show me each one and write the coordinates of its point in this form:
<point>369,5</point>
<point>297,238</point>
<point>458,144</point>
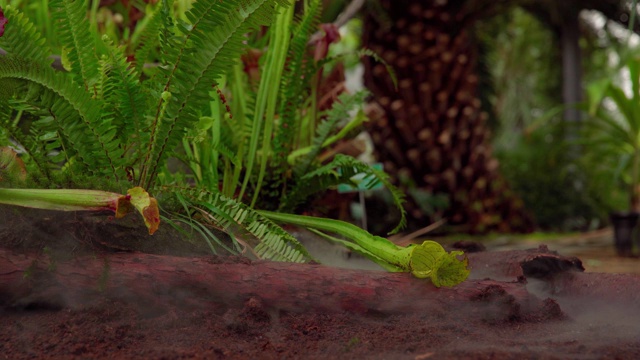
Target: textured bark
<point>433,130</point>
<point>156,281</point>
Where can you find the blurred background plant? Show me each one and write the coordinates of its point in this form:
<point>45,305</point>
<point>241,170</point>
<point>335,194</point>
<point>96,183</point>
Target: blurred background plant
<point>564,184</point>
<point>612,132</point>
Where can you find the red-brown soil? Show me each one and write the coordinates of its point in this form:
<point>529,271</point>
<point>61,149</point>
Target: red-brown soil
<point>538,305</point>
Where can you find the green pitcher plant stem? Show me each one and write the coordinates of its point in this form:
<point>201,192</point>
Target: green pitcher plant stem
<point>267,98</point>
<point>280,38</point>
<point>87,200</point>
<point>426,260</point>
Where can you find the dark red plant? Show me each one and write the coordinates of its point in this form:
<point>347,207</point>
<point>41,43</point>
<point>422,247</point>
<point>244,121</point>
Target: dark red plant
<point>251,60</point>
<point>331,35</point>
<point>3,22</point>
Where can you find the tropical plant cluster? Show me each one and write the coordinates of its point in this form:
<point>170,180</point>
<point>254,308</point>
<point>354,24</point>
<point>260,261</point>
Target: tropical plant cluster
<point>215,113</point>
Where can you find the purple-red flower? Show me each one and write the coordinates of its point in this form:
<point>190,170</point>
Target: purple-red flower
<point>331,35</point>
<point>3,22</point>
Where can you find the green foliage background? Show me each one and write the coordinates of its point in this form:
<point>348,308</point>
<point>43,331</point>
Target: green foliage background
<point>564,188</point>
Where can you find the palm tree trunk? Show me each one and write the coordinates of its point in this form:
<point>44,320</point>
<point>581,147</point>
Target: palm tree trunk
<point>433,130</point>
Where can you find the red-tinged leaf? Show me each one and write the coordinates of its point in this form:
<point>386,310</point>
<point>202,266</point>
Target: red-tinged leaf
<point>147,206</point>
<point>123,206</point>
<point>3,22</point>
<point>11,164</point>
<point>151,215</point>
<point>331,35</point>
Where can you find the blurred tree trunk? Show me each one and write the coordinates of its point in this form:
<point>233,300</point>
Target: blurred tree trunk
<point>433,131</point>
<point>571,65</point>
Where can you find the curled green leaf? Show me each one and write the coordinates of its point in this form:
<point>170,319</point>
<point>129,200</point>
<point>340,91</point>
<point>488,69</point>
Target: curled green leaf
<point>430,260</point>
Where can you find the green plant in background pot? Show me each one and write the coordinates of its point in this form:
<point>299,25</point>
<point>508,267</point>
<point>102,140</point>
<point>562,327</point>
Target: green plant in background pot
<point>612,135</point>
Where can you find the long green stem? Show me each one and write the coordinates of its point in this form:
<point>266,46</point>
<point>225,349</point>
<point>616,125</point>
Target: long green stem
<point>239,92</point>
<point>86,200</point>
<point>313,109</point>
<point>61,199</point>
<point>427,260</point>
<point>376,245</point>
<point>268,93</point>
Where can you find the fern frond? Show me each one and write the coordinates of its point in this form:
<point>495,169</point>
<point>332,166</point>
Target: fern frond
<point>226,151</point>
<point>295,86</point>
<point>121,91</point>
<point>378,58</point>
<point>147,38</point>
<point>243,99</point>
<point>22,39</point>
<point>213,42</point>
<point>360,53</point>
<point>15,97</point>
<point>168,39</point>
<point>12,134</point>
<point>43,140</point>
<point>75,38</point>
<point>8,88</point>
<point>339,111</point>
<point>340,171</point>
<point>274,243</point>
<point>77,114</point>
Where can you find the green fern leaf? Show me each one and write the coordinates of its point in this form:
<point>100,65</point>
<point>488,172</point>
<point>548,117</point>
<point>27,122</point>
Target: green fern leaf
<point>274,243</point>
<point>340,171</point>
<point>70,17</point>
<point>21,39</point>
<point>11,133</point>
<point>213,42</point>
<point>146,38</point>
<point>295,85</point>
<point>122,92</point>
<point>76,113</point>
<point>339,111</point>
